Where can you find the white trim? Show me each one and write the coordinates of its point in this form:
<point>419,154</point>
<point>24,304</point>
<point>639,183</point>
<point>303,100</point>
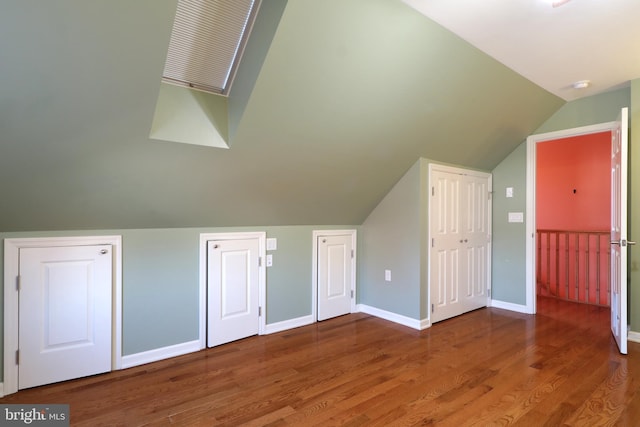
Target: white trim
<point>1,390</point>
<point>158,354</point>
<point>11,319</point>
<point>262,275</point>
<point>530,222</point>
<point>633,336</point>
<point>425,323</point>
<point>285,325</point>
<point>394,317</point>
<point>316,234</point>
<point>519,308</point>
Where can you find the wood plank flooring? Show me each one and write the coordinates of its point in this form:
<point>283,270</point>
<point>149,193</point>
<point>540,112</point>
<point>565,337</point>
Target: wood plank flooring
<point>560,367</point>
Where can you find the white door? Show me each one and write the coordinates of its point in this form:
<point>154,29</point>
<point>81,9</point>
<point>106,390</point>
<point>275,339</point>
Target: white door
<point>64,313</point>
<point>232,290</point>
<point>460,242</point>
<point>335,275</point>
<point>619,147</point>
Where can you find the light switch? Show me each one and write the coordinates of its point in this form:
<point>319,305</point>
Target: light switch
<point>272,244</point>
<point>509,191</point>
<point>269,260</point>
<point>387,275</point>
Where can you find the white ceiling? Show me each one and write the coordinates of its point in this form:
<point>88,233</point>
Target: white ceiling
<point>596,40</point>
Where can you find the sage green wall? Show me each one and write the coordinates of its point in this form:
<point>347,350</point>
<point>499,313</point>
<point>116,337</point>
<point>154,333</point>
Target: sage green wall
<point>289,293</point>
<point>587,111</point>
<point>160,280</point>
<point>333,102</point>
<point>390,239</point>
<point>634,207</point>
<point>258,44</point>
<point>508,242</point>
<point>509,260</point>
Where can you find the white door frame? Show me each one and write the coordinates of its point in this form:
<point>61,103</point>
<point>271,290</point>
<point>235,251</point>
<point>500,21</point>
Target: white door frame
<point>11,316</point>
<point>530,222</point>
<point>262,277</point>
<point>314,269</point>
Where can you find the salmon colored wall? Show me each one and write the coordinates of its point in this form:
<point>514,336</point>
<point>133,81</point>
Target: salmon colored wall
<point>581,163</point>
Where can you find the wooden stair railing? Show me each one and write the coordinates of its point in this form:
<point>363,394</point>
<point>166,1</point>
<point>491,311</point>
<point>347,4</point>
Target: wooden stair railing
<point>574,265</point>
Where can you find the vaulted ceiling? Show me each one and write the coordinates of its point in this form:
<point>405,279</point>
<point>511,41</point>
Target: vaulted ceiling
<point>348,95</point>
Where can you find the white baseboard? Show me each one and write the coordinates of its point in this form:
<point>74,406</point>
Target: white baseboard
<point>510,306</point>
<point>394,317</point>
<point>160,354</point>
<point>633,336</point>
<point>272,328</point>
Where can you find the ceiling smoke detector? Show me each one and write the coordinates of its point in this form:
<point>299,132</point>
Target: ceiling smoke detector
<point>581,84</point>
<point>556,3</point>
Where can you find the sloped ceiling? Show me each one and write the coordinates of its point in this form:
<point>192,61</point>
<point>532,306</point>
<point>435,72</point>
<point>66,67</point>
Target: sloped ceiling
<point>350,95</point>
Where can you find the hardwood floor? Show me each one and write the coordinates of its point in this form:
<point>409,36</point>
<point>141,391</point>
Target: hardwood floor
<point>489,367</point>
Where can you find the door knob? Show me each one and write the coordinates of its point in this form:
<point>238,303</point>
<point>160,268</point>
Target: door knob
<point>103,251</point>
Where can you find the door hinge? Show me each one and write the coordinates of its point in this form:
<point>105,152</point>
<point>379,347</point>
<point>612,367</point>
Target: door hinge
<point>432,308</point>
<point>351,253</point>
<point>18,357</point>
<point>433,191</point>
<point>433,242</point>
<point>352,293</point>
<point>259,311</point>
<point>259,261</point>
<point>17,283</point>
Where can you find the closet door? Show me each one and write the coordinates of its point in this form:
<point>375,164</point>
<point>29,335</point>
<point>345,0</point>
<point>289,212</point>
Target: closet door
<point>459,236</point>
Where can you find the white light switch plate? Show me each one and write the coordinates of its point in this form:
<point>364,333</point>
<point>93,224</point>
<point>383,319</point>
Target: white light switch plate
<point>272,244</point>
<point>509,191</point>
<point>387,275</point>
<point>516,217</point>
<point>269,260</point>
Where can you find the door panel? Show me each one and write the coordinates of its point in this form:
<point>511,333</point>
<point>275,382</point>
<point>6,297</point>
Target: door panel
<point>459,243</point>
<point>64,313</point>
<point>334,275</point>
<point>233,289</point>
<point>476,239</point>
<point>619,147</point>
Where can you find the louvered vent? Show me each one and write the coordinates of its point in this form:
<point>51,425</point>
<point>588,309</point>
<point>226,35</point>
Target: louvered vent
<point>207,41</point>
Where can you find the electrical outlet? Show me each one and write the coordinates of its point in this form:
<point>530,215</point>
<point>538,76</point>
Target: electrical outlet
<point>269,260</point>
<point>387,275</point>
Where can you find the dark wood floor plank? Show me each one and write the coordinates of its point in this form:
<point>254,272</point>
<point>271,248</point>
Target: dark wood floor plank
<point>560,367</point>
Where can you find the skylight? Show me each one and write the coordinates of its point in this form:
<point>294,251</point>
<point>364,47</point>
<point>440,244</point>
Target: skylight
<point>206,43</point>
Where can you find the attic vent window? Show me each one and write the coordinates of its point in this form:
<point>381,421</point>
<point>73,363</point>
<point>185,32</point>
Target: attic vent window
<point>206,43</point>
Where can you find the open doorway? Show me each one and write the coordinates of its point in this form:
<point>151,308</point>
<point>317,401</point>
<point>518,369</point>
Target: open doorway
<point>618,239</point>
<point>531,219</point>
<point>573,217</point>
